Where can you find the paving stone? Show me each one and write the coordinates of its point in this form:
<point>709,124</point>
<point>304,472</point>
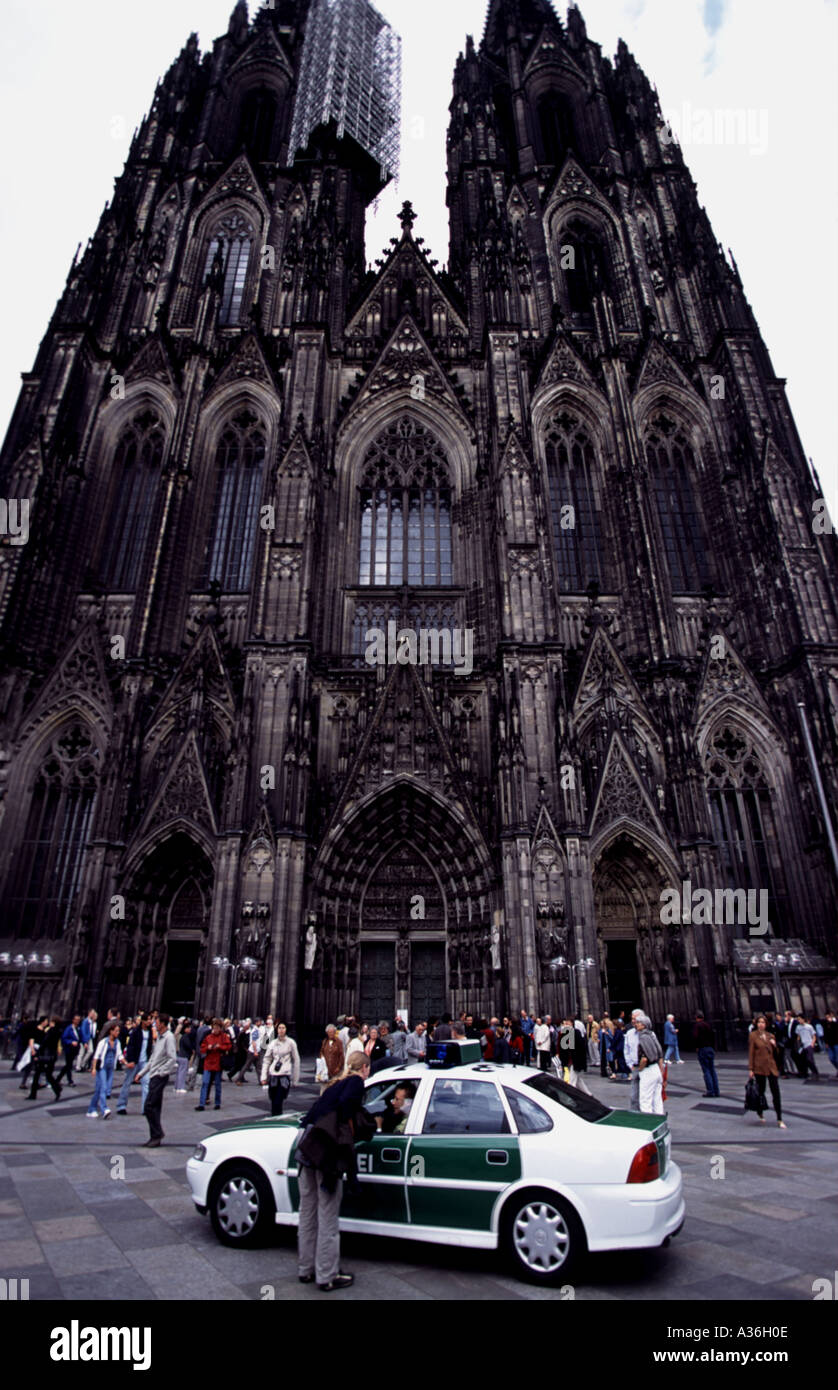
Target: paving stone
<point>15,1253</point>
<point>28,1160</point>
<point>88,1253</point>
<point>107,1285</point>
<point>43,1284</point>
<point>67,1228</point>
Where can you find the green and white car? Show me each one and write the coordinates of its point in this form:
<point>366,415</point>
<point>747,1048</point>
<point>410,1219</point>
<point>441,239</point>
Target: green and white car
<point>490,1157</point>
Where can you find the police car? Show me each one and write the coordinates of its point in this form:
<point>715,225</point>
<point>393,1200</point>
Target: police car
<point>469,1153</point>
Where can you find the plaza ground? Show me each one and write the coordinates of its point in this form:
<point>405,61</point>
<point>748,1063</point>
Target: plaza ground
<point>762,1228</point>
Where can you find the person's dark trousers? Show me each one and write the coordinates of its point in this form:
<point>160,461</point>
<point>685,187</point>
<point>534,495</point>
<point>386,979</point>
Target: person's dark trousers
<point>809,1061</point>
<point>544,1061</point>
<point>44,1067</point>
<point>603,1059</point>
<point>799,1061</point>
<point>774,1083</point>
<point>785,1069</point>
<point>154,1105</point>
<point>706,1058</point>
<point>277,1094</point>
<point>70,1055</point>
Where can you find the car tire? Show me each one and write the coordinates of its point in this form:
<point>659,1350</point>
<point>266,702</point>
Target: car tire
<point>241,1206</point>
<point>542,1236</point>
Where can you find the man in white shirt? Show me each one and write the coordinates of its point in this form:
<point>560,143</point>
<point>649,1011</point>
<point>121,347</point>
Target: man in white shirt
<point>630,1054</point>
<point>541,1038</point>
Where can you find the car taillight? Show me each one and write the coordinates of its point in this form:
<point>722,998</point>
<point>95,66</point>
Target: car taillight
<point>645,1166</point>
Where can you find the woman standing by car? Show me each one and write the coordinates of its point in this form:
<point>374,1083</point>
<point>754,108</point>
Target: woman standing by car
<point>324,1155</point>
<point>280,1068</point>
<point>762,1064</point>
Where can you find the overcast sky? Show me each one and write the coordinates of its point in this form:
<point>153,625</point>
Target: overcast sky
<point>76,78</point>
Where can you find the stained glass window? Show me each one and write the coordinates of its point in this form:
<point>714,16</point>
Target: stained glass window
<point>136,471</point>
<point>405,510</point>
<point>672,468</point>
<point>574,504</point>
<point>227,261</point>
<point>240,461</point>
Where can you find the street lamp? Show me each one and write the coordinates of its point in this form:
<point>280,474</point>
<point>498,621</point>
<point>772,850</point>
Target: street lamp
<point>23,964</point>
<point>559,963</point>
<point>246,964</point>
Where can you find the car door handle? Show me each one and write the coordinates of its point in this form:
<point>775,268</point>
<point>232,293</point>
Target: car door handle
<point>498,1156</point>
<point>391,1155</point>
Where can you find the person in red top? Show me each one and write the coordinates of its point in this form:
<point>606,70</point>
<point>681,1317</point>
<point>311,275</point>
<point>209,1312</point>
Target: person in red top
<point>213,1048</point>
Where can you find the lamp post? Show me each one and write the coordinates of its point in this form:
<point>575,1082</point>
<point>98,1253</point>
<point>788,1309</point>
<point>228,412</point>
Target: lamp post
<point>776,962</point>
<point>584,964</point>
<point>23,963</point>
<point>246,964</point>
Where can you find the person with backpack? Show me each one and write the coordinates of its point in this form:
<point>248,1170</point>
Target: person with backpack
<point>649,1067</point>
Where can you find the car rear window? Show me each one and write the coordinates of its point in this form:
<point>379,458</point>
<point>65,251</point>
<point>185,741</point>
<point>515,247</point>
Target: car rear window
<point>586,1107</point>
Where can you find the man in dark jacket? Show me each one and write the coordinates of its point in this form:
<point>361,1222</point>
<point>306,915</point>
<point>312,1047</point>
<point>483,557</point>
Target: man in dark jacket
<point>48,1037</point>
<point>71,1043</point>
<point>136,1054</point>
<point>705,1041</point>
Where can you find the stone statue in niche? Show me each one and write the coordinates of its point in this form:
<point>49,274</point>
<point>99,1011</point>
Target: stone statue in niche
<point>403,961</point>
<point>311,946</point>
<point>496,947</point>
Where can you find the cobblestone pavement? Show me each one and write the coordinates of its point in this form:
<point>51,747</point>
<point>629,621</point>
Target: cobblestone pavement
<point>765,1229</point>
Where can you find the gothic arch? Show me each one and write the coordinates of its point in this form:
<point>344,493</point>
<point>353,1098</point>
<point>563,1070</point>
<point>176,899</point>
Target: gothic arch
<point>136,854</point>
<point>593,213</point>
<point>236,194</point>
<point>646,841</point>
<point>361,427</point>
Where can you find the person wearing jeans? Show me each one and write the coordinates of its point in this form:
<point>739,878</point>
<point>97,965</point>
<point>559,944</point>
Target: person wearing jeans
<point>670,1039</point>
<point>705,1040</point>
<point>830,1038</point>
<point>108,1053</point>
<point>213,1048</point>
<point>136,1055</point>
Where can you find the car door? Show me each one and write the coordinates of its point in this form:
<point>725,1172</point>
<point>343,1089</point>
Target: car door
<point>465,1155</point>
<point>382,1167</point>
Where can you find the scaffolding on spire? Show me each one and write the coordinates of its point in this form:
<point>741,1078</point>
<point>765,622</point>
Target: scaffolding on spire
<point>351,73</point>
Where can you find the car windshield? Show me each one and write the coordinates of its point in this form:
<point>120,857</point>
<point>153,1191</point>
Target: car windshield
<point>586,1107</point>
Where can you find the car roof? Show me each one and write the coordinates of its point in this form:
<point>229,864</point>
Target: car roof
<point>468,1069</point>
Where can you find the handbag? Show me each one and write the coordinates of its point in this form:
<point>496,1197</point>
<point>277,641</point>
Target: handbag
<point>753,1100</point>
<point>321,1071</point>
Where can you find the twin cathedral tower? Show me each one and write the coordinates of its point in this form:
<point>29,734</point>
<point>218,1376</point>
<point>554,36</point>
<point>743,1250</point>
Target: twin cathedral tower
<point>242,451</point>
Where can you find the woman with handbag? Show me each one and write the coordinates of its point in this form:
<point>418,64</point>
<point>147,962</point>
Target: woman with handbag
<point>280,1068</point>
<point>324,1155</point>
<point>762,1066</point>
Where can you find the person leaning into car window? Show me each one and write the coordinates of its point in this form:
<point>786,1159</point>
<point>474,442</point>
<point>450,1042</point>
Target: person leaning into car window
<point>325,1154</point>
<point>395,1116</point>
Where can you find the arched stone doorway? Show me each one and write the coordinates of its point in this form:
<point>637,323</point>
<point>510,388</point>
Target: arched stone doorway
<point>403,904</point>
<point>642,963</point>
<point>156,957</point>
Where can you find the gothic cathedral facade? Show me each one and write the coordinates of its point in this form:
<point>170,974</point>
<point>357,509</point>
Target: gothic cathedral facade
<point>245,452</point>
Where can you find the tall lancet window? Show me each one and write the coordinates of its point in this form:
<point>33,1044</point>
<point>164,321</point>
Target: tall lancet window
<point>555,124</point>
<point>742,816</point>
<point>574,504</point>
<point>257,123</point>
<point>405,510</point>
<point>584,267</point>
<point>672,469</point>
<point>136,479</point>
<point>228,258</point>
<point>240,462</point>
<point>48,864</point>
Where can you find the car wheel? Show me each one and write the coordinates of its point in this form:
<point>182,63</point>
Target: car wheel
<point>543,1236</point>
<point>241,1206</point>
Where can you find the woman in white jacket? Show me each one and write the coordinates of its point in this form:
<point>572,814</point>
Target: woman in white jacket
<point>105,1061</point>
<point>280,1068</point>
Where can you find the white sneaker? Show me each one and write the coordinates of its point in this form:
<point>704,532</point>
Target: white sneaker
<point>106,1114</point>
<point>680,1061</point>
<point>92,1114</point>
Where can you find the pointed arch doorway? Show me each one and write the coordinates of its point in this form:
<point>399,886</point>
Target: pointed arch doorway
<point>641,963</point>
<point>402,938</point>
<point>403,899</point>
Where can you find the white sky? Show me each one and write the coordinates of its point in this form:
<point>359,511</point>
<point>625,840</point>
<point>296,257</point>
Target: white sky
<point>76,78</point>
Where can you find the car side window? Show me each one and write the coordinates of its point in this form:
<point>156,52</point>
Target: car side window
<point>529,1117</point>
<point>465,1107</point>
<point>377,1095</point>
